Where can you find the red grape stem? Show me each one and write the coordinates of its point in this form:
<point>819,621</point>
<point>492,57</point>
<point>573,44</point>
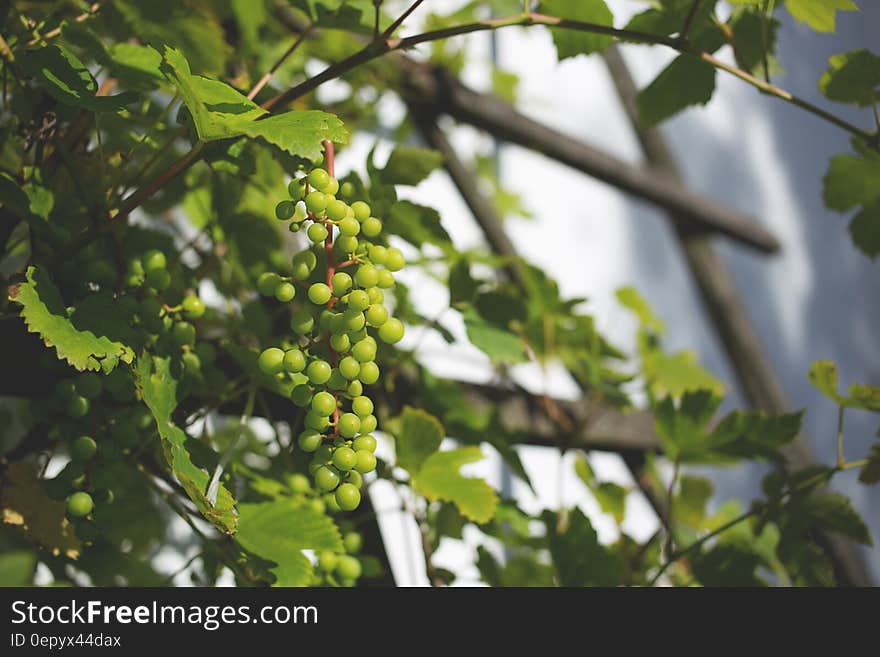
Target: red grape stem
<point>329,157</point>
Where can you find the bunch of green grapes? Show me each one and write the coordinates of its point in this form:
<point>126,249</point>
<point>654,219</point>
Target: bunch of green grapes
<point>333,351</point>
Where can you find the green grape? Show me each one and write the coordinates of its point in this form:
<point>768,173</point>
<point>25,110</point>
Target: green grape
<point>83,448</point>
<point>284,210</point>
<point>317,506</point>
<point>309,440</point>
<point>193,307</point>
<point>364,443</point>
<point>355,387</point>
<point>371,227</point>
<point>304,264</point>
<point>323,403</point>
<point>299,215</point>
<point>285,292</point>
<point>349,424</point>
<point>376,294</point>
<point>316,202</point>
<point>327,560</point>
<point>271,361</point>
<point>340,342</point>
<point>183,334</point>
<point>336,323</point>
<point>391,331</point>
<point>158,279</point>
<point>192,364</point>
<point>326,478</point>
<point>299,483</point>
<point>366,461</point>
<point>354,478</point>
<point>362,406</point>
<point>361,210</point>
<point>153,260</point>
<point>301,395</point>
<point>319,293</point>
<point>323,454</point>
<point>348,497</point>
<point>357,336</point>
<point>344,458</point>
<point>336,210</point>
<point>378,254</point>
<point>341,283</point>
<point>364,351</point>
<point>332,504</point>
<point>352,542</point>
<point>337,381</point>
<point>349,567</point>
<point>369,373</point>
<point>88,384</point>
<point>366,276</point>
<point>302,322</point>
<point>354,320</point>
<point>267,283</point>
<point>349,226</point>
<point>319,179</point>
<point>294,361</point>
<point>394,259</point>
<point>386,279</point>
<point>358,300</point>
<point>318,372</point>
<point>296,189</point>
<point>317,233</point>
<point>77,406</point>
<point>206,352</point>
<point>316,421</point>
<point>368,423</point>
<point>376,315</point>
<point>347,190</point>
<point>79,505</point>
<point>349,368</point>
<point>347,243</point>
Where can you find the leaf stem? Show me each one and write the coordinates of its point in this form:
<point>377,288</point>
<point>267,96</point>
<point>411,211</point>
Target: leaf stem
<point>51,34</point>
<point>689,19</point>
<point>840,460</point>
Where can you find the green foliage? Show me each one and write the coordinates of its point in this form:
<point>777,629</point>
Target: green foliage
<point>819,14</point>
<point>571,43</point>
<point>852,78</point>
<point>579,558</point>
<point>439,479</point>
<point>686,81</point>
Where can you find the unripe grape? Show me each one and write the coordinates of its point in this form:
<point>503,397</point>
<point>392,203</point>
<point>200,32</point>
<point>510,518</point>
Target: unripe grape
<point>358,300</point>
<point>317,233</point>
<point>349,424</point>
<point>349,226</point>
<point>299,215</point>
<point>354,478</point>
<point>347,190</point>
<point>294,361</point>
<point>322,454</point>
<point>340,342</point>
<point>348,497</point>
<point>366,461</point>
<point>364,443</point>
<point>323,403</point>
<point>316,202</point>
<point>304,264</point>
<point>158,279</point>
<point>192,364</point>
<point>285,292</point>
<point>362,406</point>
<point>326,478</point>
<point>344,458</point>
<point>318,372</point>
<point>347,243</point>
<point>361,210</point>
<point>319,178</point>
<point>368,423</point>
<point>302,322</point>
<point>319,293</point>
<point>327,560</point>
<point>354,320</point>
<point>337,381</point>
<point>371,227</point>
<point>352,542</point>
<point>336,210</point>
<point>349,567</point>
<point>332,505</point>
<point>357,336</point>
<point>153,260</point>
<point>83,448</point>
<point>378,254</point>
<point>364,351</point>
<point>296,189</point>
<point>369,373</point>
<point>271,361</point>
<point>193,307</point>
<point>376,314</point>
<point>316,421</point>
<point>394,259</point>
<point>183,334</point>
<point>355,388</point>
<point>341,283</point>
<point>376,295</point>
<point>77,406</point>
<point>366,276</point>
<point>301,395</point>
<point>299,483</point>
<point>349,368</point>
<point>309,440</point>
<point>391,331</point>
<point>267,283</point>
<point>386,279</point>
<point>79,505</point>
<point>284,210</point>
<point>88,384</point>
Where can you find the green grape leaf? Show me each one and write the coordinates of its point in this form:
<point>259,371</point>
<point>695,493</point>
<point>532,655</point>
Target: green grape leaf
<point>834,512</point>
<point>17,568</point>
<point>66,79</point>
<point>136,66</point>
<point>870,472</point>
<point>682,429</point>
<point>251,16</point>
<point>630,298</point>
<point>158,387</point>
<point>612,499</point>
<point>852,180</point>
<point>220,112</point>
<point>686,81</point>
<point>84,347</point>
<point>754,36</point>
<point>418,225</point>
<point>853,78</point>
<point>462,286</point>
<point>864,229</point>
<point>499,344</point>
<point>675,374</point>
<point>728,565</point>
<point>754,435</point>
<point>823,375</point>
<point>13,197</point>
<point>691,500</point>
<point>439,479</point>
<point>521,569</point>
<point>818,14</point>
<point>410,165</point>
<point>417,437</point>
<point>580,559</point>
<point>864,396</point>
<point>571,43</point>
<point>355,15</point>
<point>280,530</point>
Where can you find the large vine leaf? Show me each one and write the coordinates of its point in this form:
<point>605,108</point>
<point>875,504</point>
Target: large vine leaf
<point>498,343</point>
<point>686,81</point>
<point>853,78</point>
<point>439,479</point>
<point>819,14</point>
<point>419,435</point>
<point>159,390</point>
<point>823,375</point>
<point>76,336</point>
<point>571,43</point>
<point>220,112</point>
<point>280,530</point>
<point>579,557</point>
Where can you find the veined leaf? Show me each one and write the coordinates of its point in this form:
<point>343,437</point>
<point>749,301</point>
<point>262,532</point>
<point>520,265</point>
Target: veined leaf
<point>853,78</point>
<point>419,436</point>
<point>498,343</point>
<point>439,479</point>
<point>819,14</point>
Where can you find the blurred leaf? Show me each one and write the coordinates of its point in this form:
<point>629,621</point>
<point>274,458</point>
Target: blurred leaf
<point>870,472</point>
<point>17,568</point>
<point>853,78</point>
<point>439,479</point>
<point>419,436</point>
<point>818,14</point>
<point>579,558</point>
<point>727,565</point>
<point>571,43</point>
<point>682,429</point>
<point>410,165</point>
<point>754,435</point>
<point>499,344</point>
<point>686,81</point>
<point>630,298</point>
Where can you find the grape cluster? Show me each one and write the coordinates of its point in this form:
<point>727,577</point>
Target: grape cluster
<point>333,354</point>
